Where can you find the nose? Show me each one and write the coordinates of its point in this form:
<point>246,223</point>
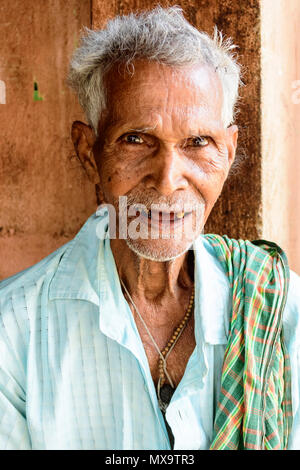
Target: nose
<point>167,173</point>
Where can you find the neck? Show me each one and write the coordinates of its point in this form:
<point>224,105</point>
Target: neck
<point>151,280</point>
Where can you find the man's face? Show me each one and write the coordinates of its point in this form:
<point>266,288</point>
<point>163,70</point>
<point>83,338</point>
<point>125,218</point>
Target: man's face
<point>162,142</point>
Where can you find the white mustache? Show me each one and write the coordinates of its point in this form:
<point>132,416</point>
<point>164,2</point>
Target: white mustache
<point>164,204</point>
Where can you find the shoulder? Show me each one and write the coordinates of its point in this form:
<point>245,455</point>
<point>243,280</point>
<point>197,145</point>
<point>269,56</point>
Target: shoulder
<point>28,283</point>
<point>33,273</point>
<point>232,246</point>
<point>20,300</point>
<point>291,314</point>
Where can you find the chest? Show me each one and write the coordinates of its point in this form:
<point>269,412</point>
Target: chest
<point>90,392</point>
<point>177,359</point>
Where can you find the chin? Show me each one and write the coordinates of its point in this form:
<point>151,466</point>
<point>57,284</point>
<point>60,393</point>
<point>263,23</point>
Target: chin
<point>159,250</point>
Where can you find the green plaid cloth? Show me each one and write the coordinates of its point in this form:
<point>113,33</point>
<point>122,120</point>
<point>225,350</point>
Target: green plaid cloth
<point>254,410</point>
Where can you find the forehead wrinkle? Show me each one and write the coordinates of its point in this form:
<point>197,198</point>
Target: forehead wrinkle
<point>203,85</point>
<point>192,119</point>
<point>159,114</point>
<point>196,123</point>
<point>169,100</point>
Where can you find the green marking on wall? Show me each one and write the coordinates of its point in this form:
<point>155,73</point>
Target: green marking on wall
<point>36,96</point>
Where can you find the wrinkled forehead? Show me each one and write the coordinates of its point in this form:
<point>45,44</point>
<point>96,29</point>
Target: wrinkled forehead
<point>151,87</point>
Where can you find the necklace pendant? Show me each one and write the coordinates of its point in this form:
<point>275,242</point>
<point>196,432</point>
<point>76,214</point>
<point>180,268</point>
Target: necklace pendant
<point>165,394</point>
<point>162,406</point>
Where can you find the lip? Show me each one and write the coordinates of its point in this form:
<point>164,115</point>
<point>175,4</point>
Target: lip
<point>162,220</point>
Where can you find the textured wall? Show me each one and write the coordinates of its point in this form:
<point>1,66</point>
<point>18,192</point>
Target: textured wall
<point>237,213</point>
<point>45,196</point>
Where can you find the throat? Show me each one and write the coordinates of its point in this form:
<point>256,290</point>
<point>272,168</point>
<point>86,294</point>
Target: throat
<point>153,280</point>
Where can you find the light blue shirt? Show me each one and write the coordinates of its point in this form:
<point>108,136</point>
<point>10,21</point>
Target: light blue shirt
<point>73,370</point>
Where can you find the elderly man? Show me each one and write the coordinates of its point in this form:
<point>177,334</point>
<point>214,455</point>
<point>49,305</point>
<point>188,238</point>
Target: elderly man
<point>141,332</point>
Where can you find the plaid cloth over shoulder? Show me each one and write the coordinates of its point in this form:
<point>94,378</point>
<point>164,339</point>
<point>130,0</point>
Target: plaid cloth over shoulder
<point>254,410</point>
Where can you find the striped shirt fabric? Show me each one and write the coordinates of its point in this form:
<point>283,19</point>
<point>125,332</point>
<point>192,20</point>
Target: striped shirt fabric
<point>73,370</point>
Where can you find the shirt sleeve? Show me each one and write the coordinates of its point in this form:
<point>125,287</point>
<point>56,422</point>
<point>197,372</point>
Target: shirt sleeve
<point>291,328</point>
<point>14,434</point>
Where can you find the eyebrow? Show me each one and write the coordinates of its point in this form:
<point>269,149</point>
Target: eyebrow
<point>143,129</point>
<point>122,126</point>
<point>146,128</point>
<point>117,126</point>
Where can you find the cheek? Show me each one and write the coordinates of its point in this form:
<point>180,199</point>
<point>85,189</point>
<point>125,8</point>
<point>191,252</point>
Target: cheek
<point>117,176</point>
<point>209,175</point>
<point>211,169</point>
<point>218,160</point>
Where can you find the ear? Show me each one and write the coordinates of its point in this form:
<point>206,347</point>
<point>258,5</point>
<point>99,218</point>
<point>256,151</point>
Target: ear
<point>83,138</point>
<point>232,138</point>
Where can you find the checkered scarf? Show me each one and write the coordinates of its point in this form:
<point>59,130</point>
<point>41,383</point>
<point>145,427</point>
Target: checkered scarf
<point>254,409</point>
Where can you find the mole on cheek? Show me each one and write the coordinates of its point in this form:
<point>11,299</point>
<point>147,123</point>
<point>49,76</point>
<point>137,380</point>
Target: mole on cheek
<point>116,175</point>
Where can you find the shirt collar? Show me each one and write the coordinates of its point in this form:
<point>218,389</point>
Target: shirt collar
<point>212,294</point>
<point>81,274</point>
<point>77,275</point>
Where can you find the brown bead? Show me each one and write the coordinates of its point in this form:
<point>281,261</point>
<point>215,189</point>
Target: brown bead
<point>174,338</point>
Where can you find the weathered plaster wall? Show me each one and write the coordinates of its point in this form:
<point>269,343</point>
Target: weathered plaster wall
<point>237,213</point>
<point>280,114</point>
<point>45,197</point>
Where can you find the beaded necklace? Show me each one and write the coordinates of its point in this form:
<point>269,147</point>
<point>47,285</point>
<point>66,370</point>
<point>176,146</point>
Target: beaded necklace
<point>165,391</point>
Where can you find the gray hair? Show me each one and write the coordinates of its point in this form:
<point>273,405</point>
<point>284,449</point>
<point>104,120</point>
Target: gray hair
<point>162,35</point>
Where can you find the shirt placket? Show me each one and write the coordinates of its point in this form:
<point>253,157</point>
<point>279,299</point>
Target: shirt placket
<point>117,323</point>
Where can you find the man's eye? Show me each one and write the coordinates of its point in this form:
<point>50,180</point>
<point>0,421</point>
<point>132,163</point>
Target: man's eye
<point>133,139</point>
<point>198,141</point>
